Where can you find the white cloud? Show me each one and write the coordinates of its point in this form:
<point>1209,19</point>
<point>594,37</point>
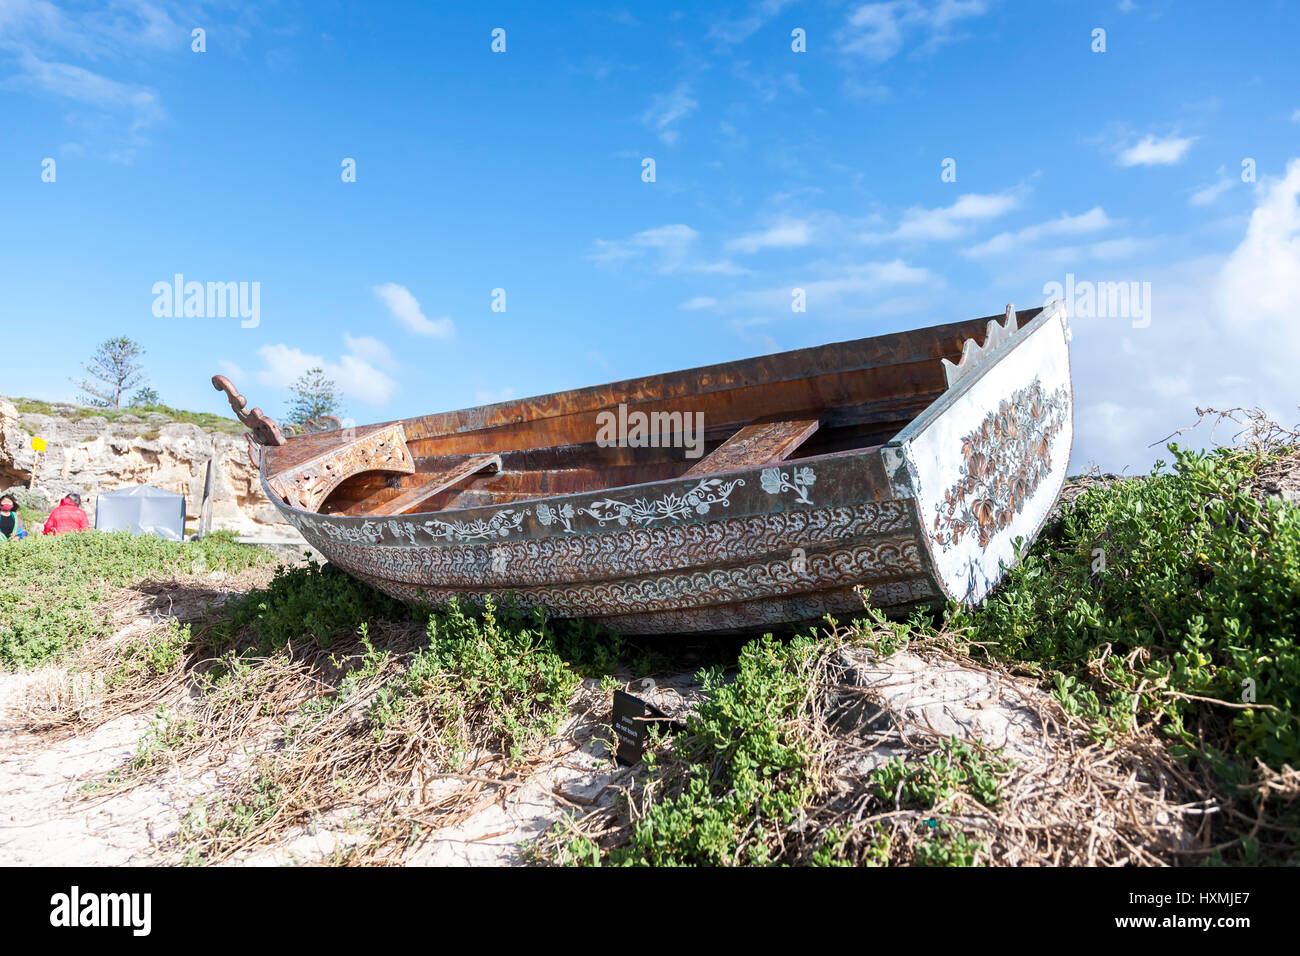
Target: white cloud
<point>361,380</point>
<point>768,84</point>
<point>672,241</point>
<point>856,290</point>
<point>1222,334</point>
<point>741,29</point>
<point>131,108</point>
<point>1095,219</point>
<point>1113,425</point>
<point>232,371</point>
<point>878,31</point>
<point>667,110</point>
<point>868,278</point>
<point>950,222</point>
<point>406,309</point>
<point>1072,256</point>
<point>872,90</point>
<point>117,29</point>
<point>671,247</point>
<point>671,237</point>
<point>370,350</point>
<point>700,302</point>
<point>750,330</point>
<point>1259,288</point>
<point>354,372</point>
<point>780,236</point>
<point>1295,117</point>
<point>874,31</point>
<point>1154,151</point>
<point>114,112</point>
<point>1208,194</point>
<point>284,364</point>
<point>1120,248</point>
<point>730,136</point>
<point>79,84</point>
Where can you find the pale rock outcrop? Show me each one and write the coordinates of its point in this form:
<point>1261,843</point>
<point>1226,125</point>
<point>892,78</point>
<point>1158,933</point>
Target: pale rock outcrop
<point>91,455</point>
<point>11,446</point>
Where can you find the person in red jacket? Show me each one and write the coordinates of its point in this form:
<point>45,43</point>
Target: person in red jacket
<point>68,516</point>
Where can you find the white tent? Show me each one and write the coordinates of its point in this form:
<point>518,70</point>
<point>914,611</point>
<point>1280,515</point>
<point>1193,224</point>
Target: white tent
<point>142,510</point>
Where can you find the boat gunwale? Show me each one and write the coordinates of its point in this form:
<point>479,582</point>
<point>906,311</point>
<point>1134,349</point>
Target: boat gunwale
<point>343,519</point>
<point>714,369</point>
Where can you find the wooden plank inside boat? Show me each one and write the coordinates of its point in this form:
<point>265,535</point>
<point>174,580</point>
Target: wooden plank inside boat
<point>433,484</point>
<point>758,443</point>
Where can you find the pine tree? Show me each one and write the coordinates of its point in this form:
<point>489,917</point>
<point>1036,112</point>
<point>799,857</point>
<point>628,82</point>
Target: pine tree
<point>314,396</point>
<point>114,369</point>
<point>145,397</point>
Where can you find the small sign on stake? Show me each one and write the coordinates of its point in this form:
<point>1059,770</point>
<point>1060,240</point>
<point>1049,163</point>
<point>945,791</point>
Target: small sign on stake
<point>38,446</point>
<point>632,719</point>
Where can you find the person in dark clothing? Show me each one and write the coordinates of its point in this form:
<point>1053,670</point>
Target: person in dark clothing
<point>11,523</point>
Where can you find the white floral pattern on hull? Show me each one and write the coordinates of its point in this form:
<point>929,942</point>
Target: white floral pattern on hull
<point>499,525</point>
<point>709,492</point>
<point>673,506</point>
<point>775,481</point>
<point>866,563</point>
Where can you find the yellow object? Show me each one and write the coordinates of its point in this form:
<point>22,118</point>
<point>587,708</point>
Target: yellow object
<point>38,444</point>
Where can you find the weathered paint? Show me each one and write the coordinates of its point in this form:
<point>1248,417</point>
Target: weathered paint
<point>986,462</point>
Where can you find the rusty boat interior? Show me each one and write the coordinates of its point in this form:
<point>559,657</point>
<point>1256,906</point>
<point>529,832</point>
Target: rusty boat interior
<point>848,396</point>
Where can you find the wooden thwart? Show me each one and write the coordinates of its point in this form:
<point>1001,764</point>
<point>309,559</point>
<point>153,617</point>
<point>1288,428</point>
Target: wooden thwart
<point>434,483</point>
<point>758,443</point>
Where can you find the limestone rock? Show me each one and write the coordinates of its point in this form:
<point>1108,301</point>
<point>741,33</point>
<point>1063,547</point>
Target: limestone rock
<point>92,454</point>
<point>12,469</point>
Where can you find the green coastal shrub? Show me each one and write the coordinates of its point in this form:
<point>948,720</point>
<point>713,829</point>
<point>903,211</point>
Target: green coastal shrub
<point>311,603</point>
<point>1156,600</point>
<point>50,586</point>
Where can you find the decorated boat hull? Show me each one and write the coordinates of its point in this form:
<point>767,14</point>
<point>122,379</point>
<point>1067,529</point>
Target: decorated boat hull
<point>930,514</point>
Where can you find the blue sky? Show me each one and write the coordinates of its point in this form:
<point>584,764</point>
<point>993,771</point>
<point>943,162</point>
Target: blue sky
<point>774,170</point>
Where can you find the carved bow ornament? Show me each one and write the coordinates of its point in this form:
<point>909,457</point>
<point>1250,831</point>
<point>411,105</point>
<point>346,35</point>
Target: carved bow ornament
<point>264,430</point>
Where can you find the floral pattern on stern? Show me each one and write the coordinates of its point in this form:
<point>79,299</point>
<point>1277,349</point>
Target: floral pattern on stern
<point>1003,462</point>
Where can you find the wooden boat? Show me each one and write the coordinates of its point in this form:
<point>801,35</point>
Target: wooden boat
<point>905,465</point>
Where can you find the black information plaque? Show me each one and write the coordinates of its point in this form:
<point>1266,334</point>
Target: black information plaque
<point>632,719</point>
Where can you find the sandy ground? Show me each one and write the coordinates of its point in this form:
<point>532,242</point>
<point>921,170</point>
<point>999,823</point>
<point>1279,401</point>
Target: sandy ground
<point>938,698</point>
<point>49,817</point>
<point>52,814</point>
